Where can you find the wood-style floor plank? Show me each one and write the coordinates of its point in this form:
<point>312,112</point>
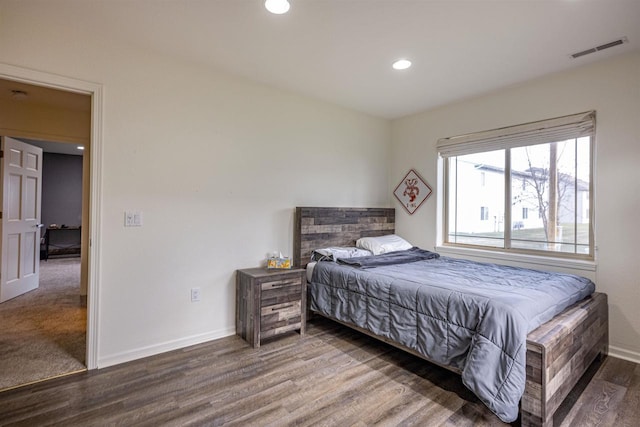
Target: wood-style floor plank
<point>629,411</point>
<point>332,376</point>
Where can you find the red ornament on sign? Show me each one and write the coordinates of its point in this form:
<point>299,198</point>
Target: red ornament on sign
<point>412,191</point>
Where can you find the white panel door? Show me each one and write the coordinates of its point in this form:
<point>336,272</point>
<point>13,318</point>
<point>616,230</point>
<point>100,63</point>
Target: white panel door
<point>21,196</point>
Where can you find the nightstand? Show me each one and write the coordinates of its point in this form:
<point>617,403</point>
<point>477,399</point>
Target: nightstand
<point>270,303</point>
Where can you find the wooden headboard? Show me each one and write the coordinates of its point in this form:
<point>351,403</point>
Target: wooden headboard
<point>317,228</point>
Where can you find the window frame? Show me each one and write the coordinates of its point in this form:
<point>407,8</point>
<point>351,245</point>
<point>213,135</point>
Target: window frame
<point>590,256</point>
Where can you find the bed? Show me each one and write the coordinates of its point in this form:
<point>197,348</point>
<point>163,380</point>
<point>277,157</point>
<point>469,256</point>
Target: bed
<point>554,357</point>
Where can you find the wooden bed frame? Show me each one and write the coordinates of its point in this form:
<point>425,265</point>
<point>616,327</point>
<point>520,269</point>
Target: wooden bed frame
<point>558,352</point>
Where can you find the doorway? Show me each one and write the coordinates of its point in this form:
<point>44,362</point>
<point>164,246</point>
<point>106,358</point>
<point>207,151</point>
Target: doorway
<point>43,330</point>
<point>67,88</point>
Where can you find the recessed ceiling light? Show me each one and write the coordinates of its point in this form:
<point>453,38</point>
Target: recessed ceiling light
<point>401,64</point>
<point>277,6</point>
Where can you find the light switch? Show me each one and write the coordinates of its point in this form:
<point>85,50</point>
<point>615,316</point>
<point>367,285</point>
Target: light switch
<point>133,219</point>
<point>137,219</point>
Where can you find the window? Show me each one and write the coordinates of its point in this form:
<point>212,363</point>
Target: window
<point>484,213</point>
<point>544,167</point>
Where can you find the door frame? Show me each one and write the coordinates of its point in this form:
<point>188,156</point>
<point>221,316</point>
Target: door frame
<point>95,90</point>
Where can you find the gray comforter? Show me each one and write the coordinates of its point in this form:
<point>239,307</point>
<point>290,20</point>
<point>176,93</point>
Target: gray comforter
<point>468,315</point>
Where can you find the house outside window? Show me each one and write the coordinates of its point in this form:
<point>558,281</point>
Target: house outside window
<point>544,167</point>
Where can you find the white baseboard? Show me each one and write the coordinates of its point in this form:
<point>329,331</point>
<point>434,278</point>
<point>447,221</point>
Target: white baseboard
<point>142,352</point>
<point>151,350</point>
<point>621,353</point>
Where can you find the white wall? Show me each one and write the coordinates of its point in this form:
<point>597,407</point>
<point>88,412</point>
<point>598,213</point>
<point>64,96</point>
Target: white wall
<point>215,163</point>
<point>612,88</point>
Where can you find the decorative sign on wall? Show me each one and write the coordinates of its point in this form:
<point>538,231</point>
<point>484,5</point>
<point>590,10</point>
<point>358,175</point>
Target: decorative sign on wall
<point>412,191</point>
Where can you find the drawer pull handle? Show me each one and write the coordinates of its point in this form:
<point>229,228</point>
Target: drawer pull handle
<point>279,285</point>
<point>280,308</point>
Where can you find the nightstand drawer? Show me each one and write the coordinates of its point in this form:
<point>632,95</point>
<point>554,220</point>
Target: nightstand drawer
<point>280,291</point>
<point>280,318</point>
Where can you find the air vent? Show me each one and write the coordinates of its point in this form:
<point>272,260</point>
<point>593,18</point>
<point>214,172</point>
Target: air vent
<point>601,47</point>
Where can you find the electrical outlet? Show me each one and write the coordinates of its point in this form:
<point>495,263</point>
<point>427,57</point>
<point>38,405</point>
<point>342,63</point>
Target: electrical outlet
<point>195,294</point>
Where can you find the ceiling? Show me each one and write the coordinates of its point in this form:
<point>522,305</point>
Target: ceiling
<point>41,95</point>
<point>53,98</point>
<point>55,147</point>
<point>341,51</point>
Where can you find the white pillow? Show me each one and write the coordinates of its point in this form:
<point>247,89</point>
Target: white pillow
<point>383,244</point>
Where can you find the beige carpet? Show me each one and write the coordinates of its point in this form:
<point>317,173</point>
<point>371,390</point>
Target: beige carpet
<point>43,332</point>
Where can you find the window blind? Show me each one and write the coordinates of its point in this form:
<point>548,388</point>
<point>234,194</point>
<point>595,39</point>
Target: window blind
<point>540,132</point>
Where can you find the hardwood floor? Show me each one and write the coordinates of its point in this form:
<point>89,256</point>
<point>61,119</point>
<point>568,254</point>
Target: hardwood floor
<point>332,376</point>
